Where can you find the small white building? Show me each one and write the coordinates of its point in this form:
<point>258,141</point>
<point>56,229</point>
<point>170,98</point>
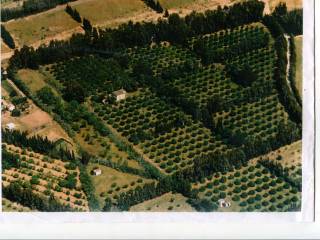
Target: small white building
<point>97,171</point>
<point>223,203</point>
<point>11,107</point>
<point>10,126</point>
<point>120,94</point>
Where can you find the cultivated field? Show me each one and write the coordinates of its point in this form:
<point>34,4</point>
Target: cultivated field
<point>249,188</point>
<point>45,177</point>
<point>203,121</point>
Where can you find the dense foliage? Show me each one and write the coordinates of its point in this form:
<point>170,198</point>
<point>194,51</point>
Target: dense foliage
<point>17,193</point>
<point>9,160</point>
<point>288,99</point>
<point>36,143</point>
<point>291,21</point>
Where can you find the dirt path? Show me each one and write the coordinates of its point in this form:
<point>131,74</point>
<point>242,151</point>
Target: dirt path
<point>267,9</point>
<point>288,62</point>
<point>16,88</point>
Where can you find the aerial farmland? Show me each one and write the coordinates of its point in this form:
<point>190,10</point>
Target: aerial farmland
<point>151,106</point>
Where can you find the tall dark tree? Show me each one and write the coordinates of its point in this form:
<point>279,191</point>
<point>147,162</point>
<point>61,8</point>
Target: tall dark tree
<point>87,25</point>
<point>7,38</point>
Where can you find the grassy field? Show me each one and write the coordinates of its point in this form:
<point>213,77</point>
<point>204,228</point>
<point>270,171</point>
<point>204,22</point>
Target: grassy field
<point>4,48</point>
<point>166,202</point>
<point>103,147</point>
<point>299,77</point>
<point>32,78</point>
<point>287,156</point>
<point>167,4</point>
<point>112,182</point>
<point>108,9</point>
<point>37,27</point>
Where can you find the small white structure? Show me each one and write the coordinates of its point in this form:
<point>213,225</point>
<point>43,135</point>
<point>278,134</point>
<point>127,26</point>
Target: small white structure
<point>11,107</point>
<point>223,203</point>
<point>120,94</point>
<point>10,126</point>
<point>97,172</point>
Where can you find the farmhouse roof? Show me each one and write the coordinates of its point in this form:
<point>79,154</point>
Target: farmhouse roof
<point>11,126</point>
<point>119,92</point>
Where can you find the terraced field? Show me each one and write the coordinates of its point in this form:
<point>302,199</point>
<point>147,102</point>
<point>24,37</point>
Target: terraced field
<point>46,177</point>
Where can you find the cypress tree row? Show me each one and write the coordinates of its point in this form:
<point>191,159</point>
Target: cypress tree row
<point>174,29</point>
<point>36,143</point>
<point>73,13</point>
<point>154,4</point>
<point>7,38</point>
<point>287,97</point>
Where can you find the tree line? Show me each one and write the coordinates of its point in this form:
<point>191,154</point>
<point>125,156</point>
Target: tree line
<point>174,29</point>
<point>15,192</point>
<point>149,191</point>
<point>209,55</point>
<point>7,38</point>
<point>88,188</point>
<point>154,4</point>
<point>288,99</point>
<point>30,7</point>
<point>239,154</point>
<point>278,170</point>
<point>73,13</point>
<point>36,143</point>
<point>9,160</point>
<point>291,21</point>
